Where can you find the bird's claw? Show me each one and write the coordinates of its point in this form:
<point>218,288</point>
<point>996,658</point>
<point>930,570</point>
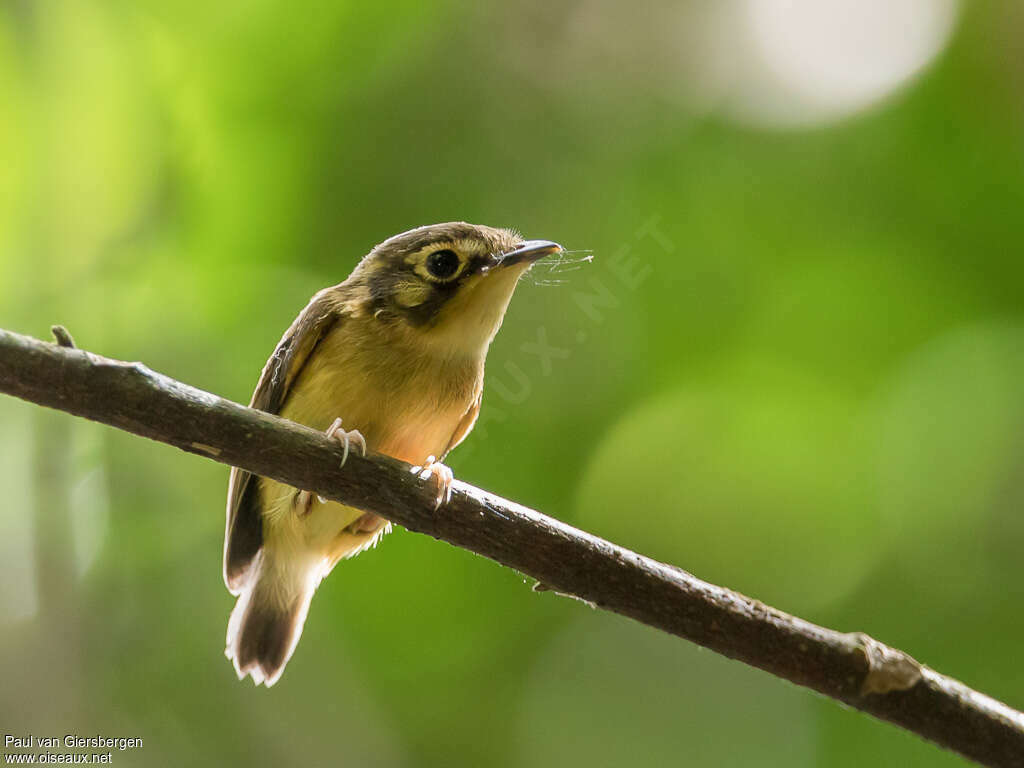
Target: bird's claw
<point>354,436</point>
<point>441,473</point>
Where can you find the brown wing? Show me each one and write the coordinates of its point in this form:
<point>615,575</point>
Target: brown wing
<point>243,534</point>
<point>466,423</point>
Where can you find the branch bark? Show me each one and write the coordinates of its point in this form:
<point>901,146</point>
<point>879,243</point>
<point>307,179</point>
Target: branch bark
<point>850,667</point>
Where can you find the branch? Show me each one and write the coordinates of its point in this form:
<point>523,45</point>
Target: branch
<point>850,667</point>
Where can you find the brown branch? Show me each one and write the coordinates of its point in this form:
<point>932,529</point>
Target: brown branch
<point>850,667</point>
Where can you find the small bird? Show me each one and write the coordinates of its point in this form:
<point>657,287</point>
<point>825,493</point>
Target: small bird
<point>396,352</point>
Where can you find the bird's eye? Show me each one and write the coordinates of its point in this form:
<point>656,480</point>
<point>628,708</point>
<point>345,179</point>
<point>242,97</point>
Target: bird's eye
<point>442,264</point>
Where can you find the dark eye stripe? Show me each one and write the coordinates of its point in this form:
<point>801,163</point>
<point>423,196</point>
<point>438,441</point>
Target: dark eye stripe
<point>443,264</point>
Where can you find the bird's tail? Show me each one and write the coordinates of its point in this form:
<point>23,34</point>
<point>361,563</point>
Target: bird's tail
<point>267,620</point>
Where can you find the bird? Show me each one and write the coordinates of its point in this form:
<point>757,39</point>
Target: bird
<point>391,360</point>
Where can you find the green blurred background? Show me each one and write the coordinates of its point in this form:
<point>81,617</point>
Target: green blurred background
<point>795,366</point>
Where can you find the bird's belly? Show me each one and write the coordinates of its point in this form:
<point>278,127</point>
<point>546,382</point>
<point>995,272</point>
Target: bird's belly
<point>410,422</point>
<point>314,539</point>
<point>399,427</point>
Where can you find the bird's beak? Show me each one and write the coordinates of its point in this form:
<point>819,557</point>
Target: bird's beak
<point>529,252</point>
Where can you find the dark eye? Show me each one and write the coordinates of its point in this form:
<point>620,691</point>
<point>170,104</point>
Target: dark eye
<point>442,264</point>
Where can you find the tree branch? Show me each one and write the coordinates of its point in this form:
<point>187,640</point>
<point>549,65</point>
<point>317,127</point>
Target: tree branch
<point>850,667</point>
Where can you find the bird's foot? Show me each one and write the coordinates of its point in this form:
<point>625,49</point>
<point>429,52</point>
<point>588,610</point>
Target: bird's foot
<point>367,523</point>
<point>303,501</point>
<point>442,475</point>
<point>347,439</point>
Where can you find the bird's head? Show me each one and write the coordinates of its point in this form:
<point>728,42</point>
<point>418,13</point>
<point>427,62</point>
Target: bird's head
<point>446,284</point>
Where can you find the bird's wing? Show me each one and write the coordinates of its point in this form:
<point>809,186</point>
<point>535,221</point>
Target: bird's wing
<point>243,535</point>
<point>466,423</point>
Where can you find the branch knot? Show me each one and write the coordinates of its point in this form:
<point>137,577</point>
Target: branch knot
<point>889,669</point>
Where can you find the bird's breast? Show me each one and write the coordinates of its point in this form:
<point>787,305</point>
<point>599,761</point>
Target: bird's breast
<point>407,402</point>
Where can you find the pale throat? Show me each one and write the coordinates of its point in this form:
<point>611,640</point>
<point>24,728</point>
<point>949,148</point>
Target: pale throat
<point>471,319</point>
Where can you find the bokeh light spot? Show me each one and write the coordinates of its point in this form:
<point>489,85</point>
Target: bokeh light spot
<point>824,59</point>
<point>950,431</point>
<point>753,480</point>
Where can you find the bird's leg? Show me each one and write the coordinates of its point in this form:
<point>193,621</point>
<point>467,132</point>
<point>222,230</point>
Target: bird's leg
<point>441,473</point>
<point>303,501</point>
